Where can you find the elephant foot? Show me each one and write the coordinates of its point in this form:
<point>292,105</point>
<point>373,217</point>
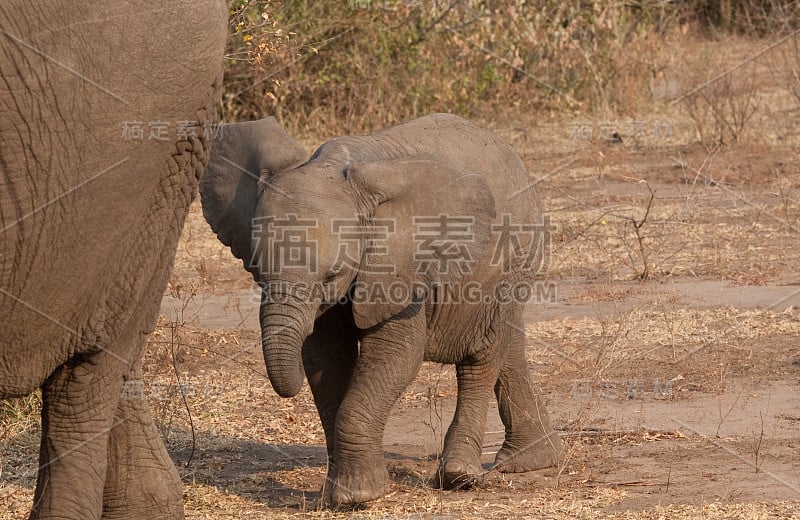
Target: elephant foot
<point>531,457</point>
<point>141,480</point>
<point>457,473</point>
<point>350,487</point>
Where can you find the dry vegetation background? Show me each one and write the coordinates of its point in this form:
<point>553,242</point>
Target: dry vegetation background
<point>665,141</point>
<point>325,68</point>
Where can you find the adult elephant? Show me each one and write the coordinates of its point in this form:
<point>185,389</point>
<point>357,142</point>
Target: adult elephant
<point>378,252</point>
<point>103,111</point>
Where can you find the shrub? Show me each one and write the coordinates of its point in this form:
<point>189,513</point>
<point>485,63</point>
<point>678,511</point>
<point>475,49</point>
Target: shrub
<point>351,65</point>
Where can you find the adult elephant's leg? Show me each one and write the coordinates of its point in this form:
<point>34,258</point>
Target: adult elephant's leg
<point>389,359</point>
<point>463,444</point>
<point>79,402</point>
<point>329,357</point>
<point>141,480</point>
<point>530,442</point>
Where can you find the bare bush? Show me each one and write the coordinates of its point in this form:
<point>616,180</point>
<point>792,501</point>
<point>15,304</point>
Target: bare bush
<point>722,110</point>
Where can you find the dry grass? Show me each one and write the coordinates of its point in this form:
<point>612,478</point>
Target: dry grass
<point>20,428</point>
<point>687,349</point>
<point>723,213</point>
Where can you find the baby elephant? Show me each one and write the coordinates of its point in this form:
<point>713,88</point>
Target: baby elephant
<point>418,242</point>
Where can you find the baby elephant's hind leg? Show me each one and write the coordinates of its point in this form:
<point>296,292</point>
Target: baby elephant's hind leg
<point>530,442</point>
<point>461,465</point>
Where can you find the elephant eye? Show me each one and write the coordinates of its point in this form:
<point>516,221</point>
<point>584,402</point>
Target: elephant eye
<point>331,276</point>
<point>345,172</point>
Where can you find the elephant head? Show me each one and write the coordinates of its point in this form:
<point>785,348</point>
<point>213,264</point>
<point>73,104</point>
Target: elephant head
<point>339,227</point>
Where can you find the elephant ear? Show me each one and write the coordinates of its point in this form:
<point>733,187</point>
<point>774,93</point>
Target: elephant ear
<point>243,156</point>
<point>430,226</point>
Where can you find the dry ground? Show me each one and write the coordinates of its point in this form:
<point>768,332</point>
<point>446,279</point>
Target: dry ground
<point>670,357</point>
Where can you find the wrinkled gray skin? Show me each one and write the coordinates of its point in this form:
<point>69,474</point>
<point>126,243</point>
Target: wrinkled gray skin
<point>89,221</point>
<point>359,355</point>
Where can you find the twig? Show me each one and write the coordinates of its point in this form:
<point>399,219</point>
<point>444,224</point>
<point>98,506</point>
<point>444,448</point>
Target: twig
<point>723,417</point>
<point>758,441</point>
<point>173,335</point>
<point>637,227</point>
<point>627,483</point>
<point>423,34</point>
<point>637,230</point>
<point>669,479</point>
<point>597,432</point>
<point>299,58</point>
<point>175,339</point>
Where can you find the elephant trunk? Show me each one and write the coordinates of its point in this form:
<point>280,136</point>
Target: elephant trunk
<point>284,326</point>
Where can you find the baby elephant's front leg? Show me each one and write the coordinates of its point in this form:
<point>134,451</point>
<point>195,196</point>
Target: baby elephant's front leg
<point>388,361</point>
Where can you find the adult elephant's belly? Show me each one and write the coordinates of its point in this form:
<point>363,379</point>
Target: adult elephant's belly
<point>72,265</point>
<point>99,162</point>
